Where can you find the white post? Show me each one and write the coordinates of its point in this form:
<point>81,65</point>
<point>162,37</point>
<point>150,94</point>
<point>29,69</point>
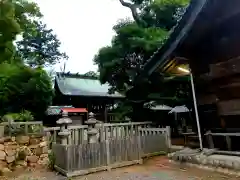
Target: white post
<point>196,111</point>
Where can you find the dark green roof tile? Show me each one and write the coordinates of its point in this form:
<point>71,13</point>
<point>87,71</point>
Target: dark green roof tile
<point>83,86</point>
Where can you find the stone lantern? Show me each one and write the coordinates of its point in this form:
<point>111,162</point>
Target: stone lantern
<point>64,132</point>
<point>92,131</point>
<point>64,121</point>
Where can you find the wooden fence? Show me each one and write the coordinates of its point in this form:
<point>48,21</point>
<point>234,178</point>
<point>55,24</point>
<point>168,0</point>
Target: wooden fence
<point>128,146</point>
<point>106,131</point>
<point>23,128</point>
<point>78,132</point>
<point>117,144</point>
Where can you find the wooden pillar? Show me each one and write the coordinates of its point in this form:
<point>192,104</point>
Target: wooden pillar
<point>105,114</point>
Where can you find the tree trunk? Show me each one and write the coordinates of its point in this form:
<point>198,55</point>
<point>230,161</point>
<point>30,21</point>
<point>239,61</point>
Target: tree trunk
<point>133,8</point>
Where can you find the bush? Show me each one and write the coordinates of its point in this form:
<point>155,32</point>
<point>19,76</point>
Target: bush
<point>51,160</point>
<point>22,87</point>
<point>23,116</point>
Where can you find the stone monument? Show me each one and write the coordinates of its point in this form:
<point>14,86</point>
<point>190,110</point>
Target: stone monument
<point>64,132</point>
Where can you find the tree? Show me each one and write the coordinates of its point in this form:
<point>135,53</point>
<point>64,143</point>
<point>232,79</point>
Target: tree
<point>24,88</point>
<point>21,87</point>
<point>91,74</point>
<point>39,46</point>
<point>158,13</point>
<point>135,41</point>
<point>9,28</point>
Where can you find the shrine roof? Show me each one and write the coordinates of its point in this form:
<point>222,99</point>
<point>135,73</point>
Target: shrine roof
<point>177,36</point>
<point>207,33</point>
<point>80,85</point>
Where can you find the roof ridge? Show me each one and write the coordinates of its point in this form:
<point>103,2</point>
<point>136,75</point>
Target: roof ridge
<point>76,75</point>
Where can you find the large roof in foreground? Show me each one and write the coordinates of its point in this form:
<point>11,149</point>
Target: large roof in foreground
<point>207,33</point>
<point>178,35</point>
<point>80,85</point>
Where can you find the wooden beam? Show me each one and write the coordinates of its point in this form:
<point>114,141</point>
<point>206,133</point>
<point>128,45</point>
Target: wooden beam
<point>229,107</point>
<point>207,99</point>
<point>226,68</point>
<point>105,114</point>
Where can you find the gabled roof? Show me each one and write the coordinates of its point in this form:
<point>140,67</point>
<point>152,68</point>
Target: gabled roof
<point>80,85</point>
<point>207,33</point>
<point>55,110</point>
<point>178,34</point>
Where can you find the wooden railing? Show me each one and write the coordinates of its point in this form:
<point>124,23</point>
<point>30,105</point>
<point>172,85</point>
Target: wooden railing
<point>78,132</point>
<point>117,145</point>
<point>227,136</point>
<point>30,128</point>
<point>123,149</point>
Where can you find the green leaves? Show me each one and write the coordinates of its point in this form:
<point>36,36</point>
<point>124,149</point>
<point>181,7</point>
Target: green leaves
<point>9,28</point>
<point>131,47</point>
<point>39,46</point>
<point>136,41</point>
<point>22,87</point>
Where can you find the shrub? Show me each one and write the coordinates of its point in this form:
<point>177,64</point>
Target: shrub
<point>22,87</point>
<point>51,160</point>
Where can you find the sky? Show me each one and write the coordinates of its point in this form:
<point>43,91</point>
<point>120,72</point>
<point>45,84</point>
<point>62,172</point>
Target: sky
<point>83,27</point>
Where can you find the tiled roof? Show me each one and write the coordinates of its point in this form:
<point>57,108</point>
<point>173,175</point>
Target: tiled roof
<point>83,86</point>
<point>55,110</point>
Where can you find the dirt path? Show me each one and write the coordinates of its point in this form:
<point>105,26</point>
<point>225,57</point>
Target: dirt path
<point>158,168</point>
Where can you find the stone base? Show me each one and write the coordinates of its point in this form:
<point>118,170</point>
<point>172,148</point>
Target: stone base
<point>207,159</point>
<point>21,152</point>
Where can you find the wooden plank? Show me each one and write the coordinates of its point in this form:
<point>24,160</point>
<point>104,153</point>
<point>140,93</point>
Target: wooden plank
<point>23,123</point>
<point>116,152</point>
<point>126,124</point>
<point>229,143</point>
<point>229,107</point>
<point>210,140</point>
<point>223,134</point>
<point>226,68</point>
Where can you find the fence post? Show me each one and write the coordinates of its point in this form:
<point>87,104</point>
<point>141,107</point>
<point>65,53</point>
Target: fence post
<point>101,133</point>
<point>168,137</point>
<point>64,132</point>
<point>108,154</point>
<point>210,139</point>
<point>140,148</point>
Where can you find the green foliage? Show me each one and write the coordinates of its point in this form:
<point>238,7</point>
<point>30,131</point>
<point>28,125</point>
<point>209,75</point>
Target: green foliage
<point>131,47</point>
<point>23,116</point>
<point>51,160</point>
<point>91,74</point>
<point>9,28</point>
<point>135,41</point>
<point>163,13</point>
<point>39,46</point>
<point>26,88</point>
<point>124,109</point>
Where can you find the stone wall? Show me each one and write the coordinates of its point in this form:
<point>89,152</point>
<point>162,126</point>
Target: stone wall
<point>21,152</point>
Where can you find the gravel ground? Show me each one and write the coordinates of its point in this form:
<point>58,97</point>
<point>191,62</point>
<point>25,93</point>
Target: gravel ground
<point>158,168</point>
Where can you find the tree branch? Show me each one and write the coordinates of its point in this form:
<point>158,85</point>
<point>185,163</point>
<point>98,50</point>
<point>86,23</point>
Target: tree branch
<point>133,8</point>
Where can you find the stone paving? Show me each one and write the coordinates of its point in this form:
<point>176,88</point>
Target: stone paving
<point>207,159</point>
<point>158,168</point>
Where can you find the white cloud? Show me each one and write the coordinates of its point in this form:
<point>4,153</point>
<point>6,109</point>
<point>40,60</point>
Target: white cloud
<point>83,26</point>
